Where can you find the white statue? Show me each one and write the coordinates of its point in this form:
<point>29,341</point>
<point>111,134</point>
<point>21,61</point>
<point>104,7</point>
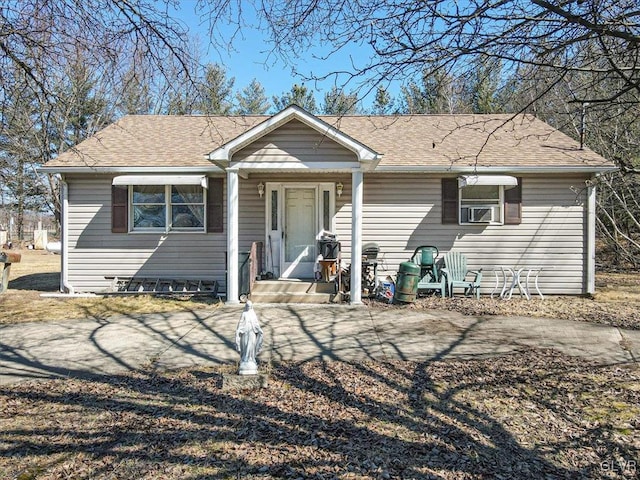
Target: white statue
<point>248,340</point>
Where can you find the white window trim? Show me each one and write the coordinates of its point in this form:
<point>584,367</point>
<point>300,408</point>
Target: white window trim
<point>167,229</point>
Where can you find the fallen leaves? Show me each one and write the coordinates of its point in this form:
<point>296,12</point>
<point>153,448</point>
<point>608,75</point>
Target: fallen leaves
<point>600,310</point>
<point>534,414</point>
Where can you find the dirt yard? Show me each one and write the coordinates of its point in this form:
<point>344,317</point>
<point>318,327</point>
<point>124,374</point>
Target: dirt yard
<point>616,302</point>
<point>533,414</point>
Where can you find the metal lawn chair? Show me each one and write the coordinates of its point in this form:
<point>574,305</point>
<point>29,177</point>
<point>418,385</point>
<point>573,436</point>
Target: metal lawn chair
<point>431,278</point>
<point>370,253</point>
<point>457,274</point>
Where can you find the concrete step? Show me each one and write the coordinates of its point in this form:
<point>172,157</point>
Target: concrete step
<point>293,291</point>
<point>292,297</point>
<point>292,286</point>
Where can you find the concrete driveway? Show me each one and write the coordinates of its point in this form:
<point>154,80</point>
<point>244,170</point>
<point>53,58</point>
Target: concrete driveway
<point>80,348</point>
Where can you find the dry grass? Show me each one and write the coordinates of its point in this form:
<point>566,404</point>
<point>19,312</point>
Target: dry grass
<point>616,302</point>
<point>39,272</point>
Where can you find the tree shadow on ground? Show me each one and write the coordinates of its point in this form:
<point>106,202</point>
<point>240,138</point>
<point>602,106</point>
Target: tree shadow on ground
<point>320,420</point>
<point>518,416</point>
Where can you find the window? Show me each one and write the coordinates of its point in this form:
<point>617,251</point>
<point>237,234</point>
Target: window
<point>326,210</point>
<point>167,208</point>
<point>481,204</point>
<point>148,207</point>
<point>274,210</point>
<point>187,208</point>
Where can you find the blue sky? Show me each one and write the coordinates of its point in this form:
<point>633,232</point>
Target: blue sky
<point>251,58</point>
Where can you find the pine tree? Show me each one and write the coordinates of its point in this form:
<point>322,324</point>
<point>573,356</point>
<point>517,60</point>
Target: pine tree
<point>215,91</point>
<point>298,95</point>
<point>252,100</point>
<point>383,103</point>
<point>336,102</point>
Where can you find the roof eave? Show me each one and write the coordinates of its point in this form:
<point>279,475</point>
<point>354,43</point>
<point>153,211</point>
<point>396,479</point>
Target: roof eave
<point>202,169</point>
<point>496,169</point>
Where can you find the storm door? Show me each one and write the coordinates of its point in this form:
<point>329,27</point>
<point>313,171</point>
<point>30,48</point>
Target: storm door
<point>296,215</point>
<point>299,232</point>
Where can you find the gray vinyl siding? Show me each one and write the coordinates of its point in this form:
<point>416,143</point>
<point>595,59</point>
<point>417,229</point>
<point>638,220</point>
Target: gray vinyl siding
<point>294,142</point>
<point>402,212</point>
<point>96,253</point>
<point>252,207</point>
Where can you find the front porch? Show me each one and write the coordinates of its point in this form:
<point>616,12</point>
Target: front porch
<point>283,179</point>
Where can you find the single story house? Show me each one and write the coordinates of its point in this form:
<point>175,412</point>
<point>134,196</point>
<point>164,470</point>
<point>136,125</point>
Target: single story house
<point>183,196</point>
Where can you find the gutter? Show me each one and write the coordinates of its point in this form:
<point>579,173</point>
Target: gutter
<point>481,170</point>
<point>159,170</point>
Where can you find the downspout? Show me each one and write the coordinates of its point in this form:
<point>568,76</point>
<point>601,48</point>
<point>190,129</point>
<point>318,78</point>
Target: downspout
<point>591,237</point>
<point>64,240</point>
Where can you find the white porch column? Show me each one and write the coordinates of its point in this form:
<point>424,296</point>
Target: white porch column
<point>356,236</point>
<point>232,236</point>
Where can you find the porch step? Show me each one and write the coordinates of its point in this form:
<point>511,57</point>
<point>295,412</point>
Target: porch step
<point>293,291</point>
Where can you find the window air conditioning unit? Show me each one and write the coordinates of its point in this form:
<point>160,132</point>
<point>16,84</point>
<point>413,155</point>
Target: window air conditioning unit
<point>480,214</point>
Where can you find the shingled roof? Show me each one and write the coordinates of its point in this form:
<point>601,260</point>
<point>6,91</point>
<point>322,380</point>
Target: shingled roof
<point>436,142</point>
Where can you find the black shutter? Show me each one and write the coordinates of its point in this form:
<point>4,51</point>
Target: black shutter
<point>119,208</point>
<point>450,200</point>
<point>215,206</point>
<point>513,204</point>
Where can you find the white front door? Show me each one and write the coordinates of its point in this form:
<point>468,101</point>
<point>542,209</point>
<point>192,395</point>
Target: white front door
<point>296,213</point>
<point>299,232</point>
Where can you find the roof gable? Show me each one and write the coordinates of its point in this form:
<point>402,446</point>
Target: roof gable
<point>223,155</point>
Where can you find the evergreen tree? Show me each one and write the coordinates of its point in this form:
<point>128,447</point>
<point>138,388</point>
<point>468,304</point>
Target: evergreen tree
<point>383,103</point>
<point>298,95</point>
<point>81,110</point>
<point>437,92</point>
<point>252,100</point>
<point>336,102</point>
<point>483,86</point>
<point>136,97</point>
<point>21,151</point>
<point>215,91</point>
<point>413,99</point>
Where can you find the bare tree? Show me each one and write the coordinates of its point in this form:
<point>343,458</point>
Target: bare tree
<point>36,36</point>
<point>77,65</point>
<point>600,38</point>
<point>565,60</point>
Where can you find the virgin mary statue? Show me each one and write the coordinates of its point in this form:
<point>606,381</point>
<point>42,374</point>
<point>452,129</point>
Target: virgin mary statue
<point>248,340</point>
